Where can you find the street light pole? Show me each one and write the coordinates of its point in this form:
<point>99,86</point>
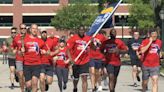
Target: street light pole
<point>162,29</point>
<point>122,29</point>
<point>162,34</point>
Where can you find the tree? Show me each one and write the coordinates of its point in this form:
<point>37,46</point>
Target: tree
<point>157,6</point>
<point>141,14</point>
<point>71,17</point>
<point>147,11</point>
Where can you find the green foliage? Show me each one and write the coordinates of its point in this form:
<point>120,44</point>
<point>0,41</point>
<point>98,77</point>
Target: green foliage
<point>73,16</point>
<point>141,14</point>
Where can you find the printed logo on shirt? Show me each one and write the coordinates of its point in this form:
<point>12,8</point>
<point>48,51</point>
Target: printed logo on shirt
<point>33,47</point>
<point>135,45</point>
<point>110,47</point>
<point>97,43</point>
<point>154,48</point>
<point>19,41</point>
<point>61,56</point>
<point>81,44</point>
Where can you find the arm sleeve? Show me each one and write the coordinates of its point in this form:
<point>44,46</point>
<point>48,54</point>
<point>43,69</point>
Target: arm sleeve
<point>143,43</point>
<point>41,43</point>
<point>13,44</point>
<point>160,44</point>
<point>123,46</point>
<point>70,43</point>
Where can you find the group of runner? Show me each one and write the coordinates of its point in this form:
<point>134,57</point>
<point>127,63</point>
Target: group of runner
<point>32,59</point>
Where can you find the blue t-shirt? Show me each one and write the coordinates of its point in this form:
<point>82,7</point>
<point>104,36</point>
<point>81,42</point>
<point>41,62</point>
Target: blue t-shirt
<point>133,43</point>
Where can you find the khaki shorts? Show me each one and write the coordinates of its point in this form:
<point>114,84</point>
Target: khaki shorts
<point>19,66</point>
<point>149,72</point>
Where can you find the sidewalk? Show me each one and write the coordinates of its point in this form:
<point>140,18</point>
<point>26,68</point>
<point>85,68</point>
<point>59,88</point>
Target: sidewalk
<point>124,82</point>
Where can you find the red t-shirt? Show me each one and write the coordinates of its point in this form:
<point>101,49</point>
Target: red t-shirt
<point>151,58</point>
<point>76,45</point>
<point>62,55</point>
<point>17,43</point>
<point>96,54</point>
<point>55,41</point>
<point>48,45</point>
<point>32,50</point>
<point>4,48</point>
<point>108,46</point>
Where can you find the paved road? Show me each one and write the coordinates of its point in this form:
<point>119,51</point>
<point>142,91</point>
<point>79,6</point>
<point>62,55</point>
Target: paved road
<point>124,82</point>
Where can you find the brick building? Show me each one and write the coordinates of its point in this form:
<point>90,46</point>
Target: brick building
<point>14,12</point>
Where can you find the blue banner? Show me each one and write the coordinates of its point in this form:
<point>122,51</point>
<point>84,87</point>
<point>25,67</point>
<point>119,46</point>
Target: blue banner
<point>104,20</point>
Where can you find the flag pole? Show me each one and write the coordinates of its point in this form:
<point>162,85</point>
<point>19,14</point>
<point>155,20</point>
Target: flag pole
<point>98,30</point>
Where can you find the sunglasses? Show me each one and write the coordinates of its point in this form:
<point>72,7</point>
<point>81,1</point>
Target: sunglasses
<point>13,32</point>
<point>22,28</point>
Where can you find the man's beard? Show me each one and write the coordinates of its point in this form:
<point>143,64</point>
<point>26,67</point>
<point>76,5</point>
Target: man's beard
<point>113,37</point>
<point>81,35</point>
<point>44,38</point>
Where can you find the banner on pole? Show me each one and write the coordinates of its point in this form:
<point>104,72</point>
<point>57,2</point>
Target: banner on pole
<point>100,21</point>
<point>104,20</point>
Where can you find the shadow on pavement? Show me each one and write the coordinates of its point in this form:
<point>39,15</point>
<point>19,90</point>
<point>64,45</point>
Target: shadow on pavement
<point>132,85</point>
<point>104,89</point>
<point>10,86</point>
<point>138,90</point>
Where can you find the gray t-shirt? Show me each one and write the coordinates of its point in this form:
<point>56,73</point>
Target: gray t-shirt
<point>9,42</point>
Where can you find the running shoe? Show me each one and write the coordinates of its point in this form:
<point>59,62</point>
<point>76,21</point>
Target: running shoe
<point>99,88</point>
<point>135,85</point>
<point>12,85</point>
<point>28,90</point>
<point>64,86</point>
<point>75,90</point>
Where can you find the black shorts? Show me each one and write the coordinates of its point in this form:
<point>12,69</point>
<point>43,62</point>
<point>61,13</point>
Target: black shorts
<point>111,69</point>
<point>11,61</point>
<point>95,63</point>
<point>80,70</point>
<point>104,64</point>
<point>136,62</point>
<point>30,71</point>
<point>47,69</point>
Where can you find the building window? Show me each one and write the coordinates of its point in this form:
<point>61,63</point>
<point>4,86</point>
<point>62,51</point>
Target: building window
<point>40,20</point>
<point>40,1</point>
<point>90,1</point>
<point>121,20</point>
<point>6,21</point>
<point>6,1</point>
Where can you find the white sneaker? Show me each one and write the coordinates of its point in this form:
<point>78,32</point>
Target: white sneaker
<point>99,89</point>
